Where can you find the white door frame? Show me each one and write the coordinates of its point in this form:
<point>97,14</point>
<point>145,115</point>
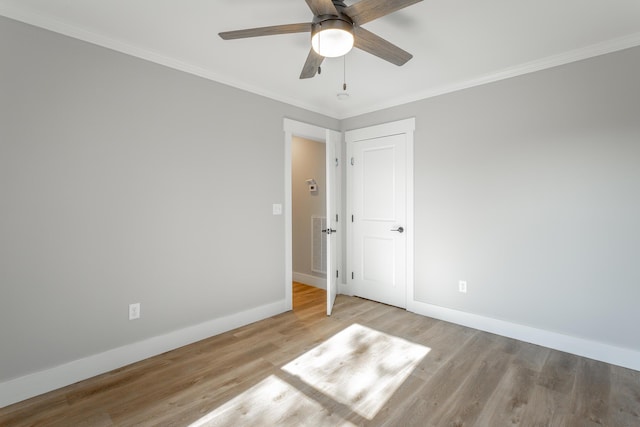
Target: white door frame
<point>406,127</point>
<point>304,130</point>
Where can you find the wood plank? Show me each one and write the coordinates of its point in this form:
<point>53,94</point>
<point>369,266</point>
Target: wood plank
<point>509,401</point>
<point>545,407</point>
<point>558,373</point>
<point>487,370</point>
<point>624,398</point>
<point>443,385</point>
<point>408,397</point>
<point>531,356</point>
<point>590,397</point>
<point>444,340</point>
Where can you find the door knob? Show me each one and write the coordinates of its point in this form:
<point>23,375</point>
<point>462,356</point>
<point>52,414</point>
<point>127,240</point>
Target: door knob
<point>328,231</point>
<point>399,229</point>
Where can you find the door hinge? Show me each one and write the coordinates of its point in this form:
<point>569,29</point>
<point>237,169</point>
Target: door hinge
<point>337,162</point>
<point>352,276</point>
<point>336,274</point>
<point>353,162</point>
<point>336,217</point>
<point>351,218</point>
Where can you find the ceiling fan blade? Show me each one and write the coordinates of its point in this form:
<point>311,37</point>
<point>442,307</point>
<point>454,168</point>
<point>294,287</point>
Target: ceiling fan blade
<point>367,10</point>
<point>379,47</point>
<point>322,7</point>
<point>311,65</point>
<point>266,31</point>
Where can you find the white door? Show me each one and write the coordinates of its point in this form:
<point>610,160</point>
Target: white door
<point>332,192</point>
<point>380,228</point>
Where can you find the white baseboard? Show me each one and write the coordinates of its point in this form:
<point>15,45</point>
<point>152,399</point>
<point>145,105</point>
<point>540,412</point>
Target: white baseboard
<point>579,346</point>
<point>31,385</point>
<point>307,279</point>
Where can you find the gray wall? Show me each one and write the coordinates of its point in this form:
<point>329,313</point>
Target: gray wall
<point>123,181</point>
<point>308,161</point>
<point>529,189</point>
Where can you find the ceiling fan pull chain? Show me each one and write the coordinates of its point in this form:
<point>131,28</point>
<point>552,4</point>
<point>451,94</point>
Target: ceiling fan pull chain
<point>344,73</point>
<point>320,48</point>
<point>320,42</point>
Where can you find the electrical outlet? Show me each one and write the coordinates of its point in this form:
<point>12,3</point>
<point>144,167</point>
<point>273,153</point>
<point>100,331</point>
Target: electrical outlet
<point>462,286</point>
<point>134,311</point>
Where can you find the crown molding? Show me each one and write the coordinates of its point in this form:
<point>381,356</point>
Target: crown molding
<point>56,26</point>
<point>564,58</point>
<point>33,18</point>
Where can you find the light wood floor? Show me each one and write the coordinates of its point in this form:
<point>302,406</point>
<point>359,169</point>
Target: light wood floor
<point>469,378</point>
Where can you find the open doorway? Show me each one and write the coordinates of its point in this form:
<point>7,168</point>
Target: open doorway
<point>309,221</point>
<point>332,140</point>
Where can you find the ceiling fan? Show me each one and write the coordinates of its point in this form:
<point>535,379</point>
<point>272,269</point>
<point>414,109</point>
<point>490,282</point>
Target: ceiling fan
<point>335,29</point>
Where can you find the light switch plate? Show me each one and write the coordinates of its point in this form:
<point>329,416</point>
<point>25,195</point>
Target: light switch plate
<point>134,311</point>
<point>462,286</point>
<point>277,209</point>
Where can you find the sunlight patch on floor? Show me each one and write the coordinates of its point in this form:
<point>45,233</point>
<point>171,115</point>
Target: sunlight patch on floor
<point>271,402</point>
<point>359,367</point>
<point>349,376</point>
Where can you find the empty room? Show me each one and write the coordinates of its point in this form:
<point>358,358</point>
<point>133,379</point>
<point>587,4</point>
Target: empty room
<point>319,213</point>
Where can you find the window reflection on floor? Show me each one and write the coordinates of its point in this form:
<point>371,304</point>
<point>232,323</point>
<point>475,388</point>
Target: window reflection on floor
<point>356,371</point>
<point>359,367</point>
<point>268,403</point>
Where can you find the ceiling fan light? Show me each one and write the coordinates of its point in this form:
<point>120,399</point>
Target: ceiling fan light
<point>332,38</point>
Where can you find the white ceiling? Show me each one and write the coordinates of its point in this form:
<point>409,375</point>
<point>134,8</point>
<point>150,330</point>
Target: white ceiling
<point>455,43</point>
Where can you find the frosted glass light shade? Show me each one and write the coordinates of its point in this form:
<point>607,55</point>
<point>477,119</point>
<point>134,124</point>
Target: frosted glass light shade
<point>332,38</point>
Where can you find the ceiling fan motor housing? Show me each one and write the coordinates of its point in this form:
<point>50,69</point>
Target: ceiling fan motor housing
<point>339,5</point>
<point>326,22</point>
<point>340,26</point>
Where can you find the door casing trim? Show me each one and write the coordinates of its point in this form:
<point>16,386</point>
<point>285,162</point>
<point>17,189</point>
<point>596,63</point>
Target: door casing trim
<point>315,133</point>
